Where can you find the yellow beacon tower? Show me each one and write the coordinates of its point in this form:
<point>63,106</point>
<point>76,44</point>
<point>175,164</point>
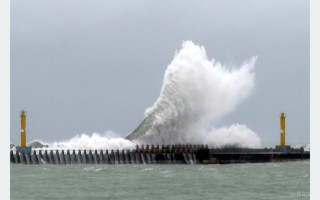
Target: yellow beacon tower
<point>23,148</point>
<point>283,130</point>
<point>23,128</point>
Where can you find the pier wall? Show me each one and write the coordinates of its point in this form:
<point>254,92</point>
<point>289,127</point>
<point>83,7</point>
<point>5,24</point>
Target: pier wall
<point>154,154</point>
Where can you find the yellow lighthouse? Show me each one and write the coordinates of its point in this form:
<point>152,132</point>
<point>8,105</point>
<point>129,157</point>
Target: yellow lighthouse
<point>23,128</point>
<point>283,130</point>
<point>23,148</point>
<point>283,147</point>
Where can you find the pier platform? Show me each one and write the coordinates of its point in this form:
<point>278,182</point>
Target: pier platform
<point>154,154</point>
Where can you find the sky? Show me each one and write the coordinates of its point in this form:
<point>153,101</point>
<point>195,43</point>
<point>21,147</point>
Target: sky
<point>91,66</point>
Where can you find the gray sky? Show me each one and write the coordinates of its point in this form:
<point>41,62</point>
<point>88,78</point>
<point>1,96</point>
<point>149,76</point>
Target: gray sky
<point>90,66</point>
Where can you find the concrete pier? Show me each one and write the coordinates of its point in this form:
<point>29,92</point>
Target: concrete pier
<point>166,154</point>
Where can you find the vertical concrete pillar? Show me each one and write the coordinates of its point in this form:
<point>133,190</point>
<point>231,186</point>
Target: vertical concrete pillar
<point>62,157</point>
<point>96,157</point>
<point>112,157</point>
<point>23,158</point>
<point>17,158</point>
<point>57,157</point>
<point>107,157</point>
<point>85,157</point>
<point>12,160</point>
<point>46,157</point>
<point>28,158</point>
<point>67,157</point>
<point>102,160</point>
<point>34,157</point>
<point>128,157</point>
<point>90,157</point>
<point>117,157</point>
<point>137,155</point>
<point>80,158</point>
<point>40,158</point>
<point>73,157</point>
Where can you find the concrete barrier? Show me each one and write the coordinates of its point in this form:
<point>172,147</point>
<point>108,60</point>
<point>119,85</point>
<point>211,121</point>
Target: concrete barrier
<point>153,154</point>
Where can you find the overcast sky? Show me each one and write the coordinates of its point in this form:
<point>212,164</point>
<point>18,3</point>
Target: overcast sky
<point>91,66</point>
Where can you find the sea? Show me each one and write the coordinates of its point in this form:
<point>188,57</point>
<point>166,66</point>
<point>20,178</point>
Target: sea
<point>280,180</point>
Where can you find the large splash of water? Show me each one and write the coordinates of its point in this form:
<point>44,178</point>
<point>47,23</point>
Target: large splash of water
<point>108,140</point>
<point>195,92</point>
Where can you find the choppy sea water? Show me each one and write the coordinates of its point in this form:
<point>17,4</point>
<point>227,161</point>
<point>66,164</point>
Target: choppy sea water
<point>283,180</point>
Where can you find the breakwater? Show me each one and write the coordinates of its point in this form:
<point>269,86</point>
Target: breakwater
<point>144,154</point>
<point>153,154</point>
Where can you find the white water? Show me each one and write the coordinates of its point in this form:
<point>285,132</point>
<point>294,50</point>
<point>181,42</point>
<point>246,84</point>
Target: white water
<point>196,91</point>
<point>306,147</point>
<point>109,140</point>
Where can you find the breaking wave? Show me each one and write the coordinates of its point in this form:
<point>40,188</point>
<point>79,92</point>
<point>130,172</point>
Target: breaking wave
<point>195,92</point>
